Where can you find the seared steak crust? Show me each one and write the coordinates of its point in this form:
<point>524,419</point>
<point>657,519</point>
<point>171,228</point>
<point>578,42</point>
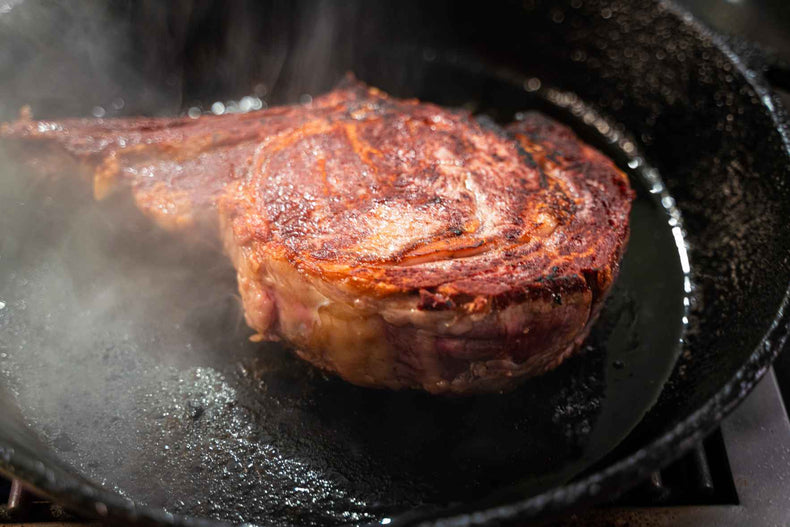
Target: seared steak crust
<point>393,242</point>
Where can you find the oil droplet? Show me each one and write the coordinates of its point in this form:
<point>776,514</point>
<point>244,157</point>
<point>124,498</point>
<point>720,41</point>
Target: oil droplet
<point>217,108</point>
<point>429,55</point>
<point>2,304</point>
<point>532,84</point>
<point>245,104</point>
<point>48,127</point>
<point>98,111</point>
<point>305,98</point>
<point>558,16</point>
<point>118,103</point>
<point>194,112</point>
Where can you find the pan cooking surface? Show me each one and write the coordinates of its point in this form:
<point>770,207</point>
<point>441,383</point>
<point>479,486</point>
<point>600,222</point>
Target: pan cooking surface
<point>126,352</point>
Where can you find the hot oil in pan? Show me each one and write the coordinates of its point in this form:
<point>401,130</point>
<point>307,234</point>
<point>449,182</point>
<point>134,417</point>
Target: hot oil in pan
<point>126,351</point>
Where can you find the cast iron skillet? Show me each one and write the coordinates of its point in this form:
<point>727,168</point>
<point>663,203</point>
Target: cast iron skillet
<point>129,390</point>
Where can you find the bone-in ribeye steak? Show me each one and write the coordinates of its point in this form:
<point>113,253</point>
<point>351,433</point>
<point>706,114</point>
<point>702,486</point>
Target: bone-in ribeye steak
<point>393,242</point>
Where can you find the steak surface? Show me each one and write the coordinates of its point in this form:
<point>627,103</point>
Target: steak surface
<point>393,242</point>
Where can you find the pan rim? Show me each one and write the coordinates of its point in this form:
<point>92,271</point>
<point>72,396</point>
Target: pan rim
<point>82,496</point>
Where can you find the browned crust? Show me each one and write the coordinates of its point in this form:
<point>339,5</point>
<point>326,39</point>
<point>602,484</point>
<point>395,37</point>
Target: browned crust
<point>444,254</point>
<point>331,184</point>
<point>331,198</point>
<point>516,237</point>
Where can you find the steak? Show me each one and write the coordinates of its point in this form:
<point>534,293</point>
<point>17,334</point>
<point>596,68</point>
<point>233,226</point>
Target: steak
<point>393,242</point>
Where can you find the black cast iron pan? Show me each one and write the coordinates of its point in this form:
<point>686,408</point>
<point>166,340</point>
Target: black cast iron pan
<point>129,390</point>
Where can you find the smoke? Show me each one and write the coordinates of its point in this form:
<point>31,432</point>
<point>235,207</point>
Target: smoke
<point>160,58</point>
<point>67,58</point>
<point>123,345</point>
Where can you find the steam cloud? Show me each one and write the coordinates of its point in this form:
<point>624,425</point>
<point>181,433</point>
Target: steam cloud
<point>118,338</point>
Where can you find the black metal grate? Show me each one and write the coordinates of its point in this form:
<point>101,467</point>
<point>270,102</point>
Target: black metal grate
<point>19,505</point>
<point>701,477</point>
